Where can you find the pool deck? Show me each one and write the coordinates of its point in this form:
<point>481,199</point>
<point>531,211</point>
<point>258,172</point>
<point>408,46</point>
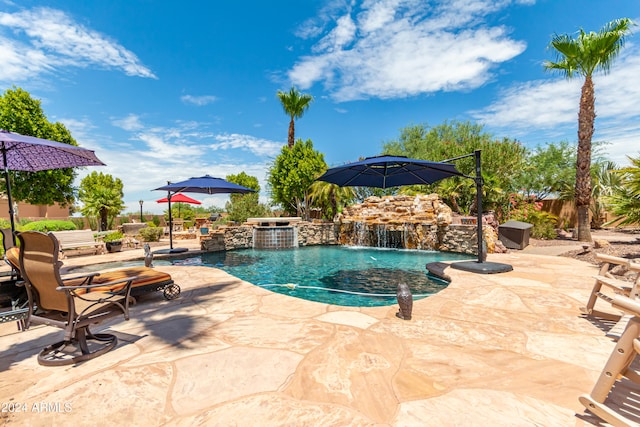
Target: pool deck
<point>507,349</point>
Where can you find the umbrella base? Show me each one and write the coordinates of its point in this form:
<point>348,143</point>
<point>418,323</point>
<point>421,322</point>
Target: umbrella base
<point>171,251</point>
<point>482,267</point>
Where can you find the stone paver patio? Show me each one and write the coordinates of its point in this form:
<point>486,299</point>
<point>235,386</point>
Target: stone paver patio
<point>508,349</point>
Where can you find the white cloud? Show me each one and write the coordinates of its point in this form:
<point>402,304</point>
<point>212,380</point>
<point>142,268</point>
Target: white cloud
<point>391,47</point>
<point>129,123</point>
<point>198,100</point>
<point>552,106</point>
<point>257,146</point>
<point>54,40</point>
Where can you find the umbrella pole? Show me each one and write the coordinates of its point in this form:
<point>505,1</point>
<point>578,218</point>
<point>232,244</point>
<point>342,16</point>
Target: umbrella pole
<point>170,221</point>
<point>9,200</point>
<point>479,183</point>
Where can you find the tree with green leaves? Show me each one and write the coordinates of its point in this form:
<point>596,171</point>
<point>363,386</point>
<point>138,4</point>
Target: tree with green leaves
<point>583,56</point>
<point>295,104</point>
<point>291,175</point>
<point>22,114</point>
<point>330,198</point>
<point>500,158</point>
<point>243,206</point>
<point>624,200</point>
<point>102,196</point>
<point>548,169</point>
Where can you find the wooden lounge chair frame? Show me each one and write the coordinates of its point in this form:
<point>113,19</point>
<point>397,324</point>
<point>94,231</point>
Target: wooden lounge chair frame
<point>608,281</point>
<point>70,303</point>
<point>619,407</point>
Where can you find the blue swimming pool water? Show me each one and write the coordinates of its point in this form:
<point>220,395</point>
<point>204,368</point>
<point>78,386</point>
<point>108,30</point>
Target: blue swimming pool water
<point>339,275</point>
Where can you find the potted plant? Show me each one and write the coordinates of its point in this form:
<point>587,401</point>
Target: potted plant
<point>113,241</point>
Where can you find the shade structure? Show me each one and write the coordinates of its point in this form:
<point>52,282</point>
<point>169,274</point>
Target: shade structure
<point>31,154</point>
<point>206,185</point>
<point>394,171</point>
<point>203,184</point>
<point>179,198</point>
<point>389,171</point>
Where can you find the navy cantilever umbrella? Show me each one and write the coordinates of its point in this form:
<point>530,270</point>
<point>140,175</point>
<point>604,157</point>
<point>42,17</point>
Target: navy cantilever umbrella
<point>204,184</point>
<point>31,154</point>
<point>389,171</point>
<point>393,171</point>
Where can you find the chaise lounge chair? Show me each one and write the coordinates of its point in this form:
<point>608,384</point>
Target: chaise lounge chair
<point>616,395</point>
<point>70,303</point>
<point>606,281</point>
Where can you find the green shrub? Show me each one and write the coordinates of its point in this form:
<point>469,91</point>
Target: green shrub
<point>114,236</point>
<point>156,220</point>
<point>151,234</point>
<point>49,225</point>
<point>530,211</point>
<point>79,222</point>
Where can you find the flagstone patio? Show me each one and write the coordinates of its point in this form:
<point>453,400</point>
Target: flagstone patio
<point>508,349</point>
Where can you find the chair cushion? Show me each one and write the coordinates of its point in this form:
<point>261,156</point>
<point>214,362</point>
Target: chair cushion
<point>13,257</point>
<point>145,276</point>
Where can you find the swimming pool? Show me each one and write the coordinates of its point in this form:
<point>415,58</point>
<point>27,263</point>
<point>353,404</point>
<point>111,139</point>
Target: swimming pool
<point>340,275</point>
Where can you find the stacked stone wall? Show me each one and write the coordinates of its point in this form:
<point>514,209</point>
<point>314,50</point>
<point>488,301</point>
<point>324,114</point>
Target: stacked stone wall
<point>410,222</point>
<point>241,237</point>
<point>310,234</point>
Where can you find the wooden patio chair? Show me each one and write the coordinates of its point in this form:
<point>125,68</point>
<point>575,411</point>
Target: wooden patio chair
<point>616,395</point>
<point>70,303</point>
<point>607,286</point>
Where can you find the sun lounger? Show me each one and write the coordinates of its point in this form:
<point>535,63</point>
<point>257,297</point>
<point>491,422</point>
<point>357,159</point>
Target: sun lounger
<point>614,397</point>
<point>607,285</point>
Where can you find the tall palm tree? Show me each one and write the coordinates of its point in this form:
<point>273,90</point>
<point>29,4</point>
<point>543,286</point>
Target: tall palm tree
<point>295,104</point>
<point>582,56</point>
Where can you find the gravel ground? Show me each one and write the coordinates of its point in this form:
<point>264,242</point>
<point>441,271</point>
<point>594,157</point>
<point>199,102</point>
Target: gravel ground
<point>621,243</point>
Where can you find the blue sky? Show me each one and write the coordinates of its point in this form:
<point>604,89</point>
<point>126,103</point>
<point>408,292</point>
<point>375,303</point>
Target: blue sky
<point>166,90</point>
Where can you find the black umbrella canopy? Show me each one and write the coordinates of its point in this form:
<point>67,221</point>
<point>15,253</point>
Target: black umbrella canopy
<point>31,154</point>
<point>389,171</point>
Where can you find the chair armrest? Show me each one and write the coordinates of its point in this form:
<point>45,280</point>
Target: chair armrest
<point>88,276</point>
<point>612,259</point>
<point>626,304</point>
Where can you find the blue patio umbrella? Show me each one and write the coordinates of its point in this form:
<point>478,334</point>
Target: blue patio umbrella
<point>389,171</point>
<point>203,184</point>
<point>31,154</point>
<point>394,171</point>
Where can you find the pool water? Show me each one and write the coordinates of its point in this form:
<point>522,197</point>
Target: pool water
<point>340,275</point>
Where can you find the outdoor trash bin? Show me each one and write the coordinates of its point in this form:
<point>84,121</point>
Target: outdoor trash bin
<point>515,234</point>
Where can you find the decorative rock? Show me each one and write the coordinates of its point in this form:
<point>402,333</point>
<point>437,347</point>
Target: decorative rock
<point>599,243</point>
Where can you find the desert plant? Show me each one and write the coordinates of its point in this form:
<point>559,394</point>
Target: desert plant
<point>79,222</point>
<point>114,236</point>
<point>526,209</point>
<point>151,234</point>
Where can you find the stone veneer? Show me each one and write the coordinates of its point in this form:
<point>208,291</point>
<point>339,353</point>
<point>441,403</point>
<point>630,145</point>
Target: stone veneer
<point>411,222</point>
<point>241,237</point>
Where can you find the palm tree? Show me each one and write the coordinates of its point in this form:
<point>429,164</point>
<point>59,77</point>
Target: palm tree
<point>330,198</point>
<point>582,56</point>
<point>105,203</point>
<point>295,104</point>
<point>625,200</point>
